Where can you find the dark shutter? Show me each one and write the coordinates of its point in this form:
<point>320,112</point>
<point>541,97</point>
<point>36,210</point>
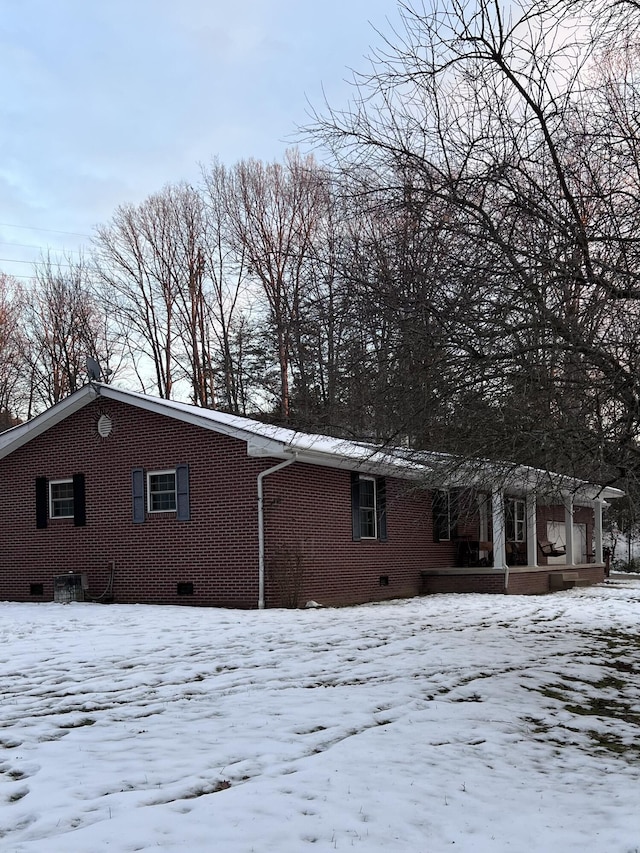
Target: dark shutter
<point>454,513</point>
<point>182,493</point>
<point>381,508</point>
<point>137,489</point>
<point>42,501</point>
<point>79,502</point>
<point>439,503</point>
<point>355,506</point>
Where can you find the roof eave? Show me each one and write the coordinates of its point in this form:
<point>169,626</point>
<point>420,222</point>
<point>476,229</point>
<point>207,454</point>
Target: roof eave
<point>14,438</point>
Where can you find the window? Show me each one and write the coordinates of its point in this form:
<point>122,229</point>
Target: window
<point>368,527</point>
<point>444,515</point>
<point>515,526</point>
<point>368,507</point>
<point>161,491</point>
<point>166,491</point>
<point>184,588</point>
<point>61,499</point>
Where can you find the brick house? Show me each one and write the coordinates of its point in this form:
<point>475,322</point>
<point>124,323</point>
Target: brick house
<point>113,495</point>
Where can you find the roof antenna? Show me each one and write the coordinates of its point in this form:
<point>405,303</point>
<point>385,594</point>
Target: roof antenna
<point>95,371</point>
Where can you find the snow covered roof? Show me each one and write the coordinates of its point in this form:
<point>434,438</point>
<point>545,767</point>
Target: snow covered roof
<point>268,440</point>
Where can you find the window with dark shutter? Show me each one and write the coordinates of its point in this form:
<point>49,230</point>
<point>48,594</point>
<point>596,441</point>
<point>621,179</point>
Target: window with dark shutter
<point>368,520</point>
<point>441,516</point>
<point>445,515</point>
<point>368,507</point>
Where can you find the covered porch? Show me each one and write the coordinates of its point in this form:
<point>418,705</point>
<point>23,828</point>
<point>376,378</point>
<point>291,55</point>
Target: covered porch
<point>524,544</point>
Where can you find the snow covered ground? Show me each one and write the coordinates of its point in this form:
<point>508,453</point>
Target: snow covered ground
<point>462,723</point>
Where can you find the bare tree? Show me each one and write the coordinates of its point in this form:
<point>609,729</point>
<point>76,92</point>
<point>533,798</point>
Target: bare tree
<point>152,263</point>
<point>136,257</point>
<point>520,158</point>
<point>274,211</point>
<point>12,386</point>
<point>63,324</point>
<point>228,292</point>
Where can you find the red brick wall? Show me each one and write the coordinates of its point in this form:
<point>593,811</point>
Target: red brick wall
<point>306,507</point>
<point>489,583</point>
<point>216,551</point>
<point>519,583</point>
<point>537,583</point>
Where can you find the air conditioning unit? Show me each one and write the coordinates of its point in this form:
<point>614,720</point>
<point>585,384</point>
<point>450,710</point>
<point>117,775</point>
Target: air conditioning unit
<point>69,587</point>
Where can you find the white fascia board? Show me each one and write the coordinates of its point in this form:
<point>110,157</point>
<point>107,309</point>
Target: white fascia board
<point>14,438</point>
<point>163,407</point>
<point>368,463</point>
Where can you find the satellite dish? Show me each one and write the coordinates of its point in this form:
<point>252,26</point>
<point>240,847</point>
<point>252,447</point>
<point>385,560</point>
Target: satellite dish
<point>95,371</point>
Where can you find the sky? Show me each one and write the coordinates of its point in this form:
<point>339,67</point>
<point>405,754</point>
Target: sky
<point>103,103</point>
<point>466,723</point>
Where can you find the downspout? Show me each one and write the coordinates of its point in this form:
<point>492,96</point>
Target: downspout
<point>261,477</point>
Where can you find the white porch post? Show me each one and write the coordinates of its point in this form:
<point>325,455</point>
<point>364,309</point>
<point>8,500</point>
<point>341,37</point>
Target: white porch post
<point>570,559</point>
<point>497,514</point>
<point>532,533</point>
<point>597,532</point>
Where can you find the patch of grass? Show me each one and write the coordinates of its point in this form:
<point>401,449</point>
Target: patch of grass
<point>537,726</point>
<point>220,785</point>
<point>611,742</point>
<point>551,691</point>
<point>596,706</point>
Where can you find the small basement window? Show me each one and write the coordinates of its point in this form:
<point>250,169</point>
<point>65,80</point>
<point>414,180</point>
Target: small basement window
<point>36,589</point>
<point>185,588</point>
<point>61,499</point>
<point>161,491</point>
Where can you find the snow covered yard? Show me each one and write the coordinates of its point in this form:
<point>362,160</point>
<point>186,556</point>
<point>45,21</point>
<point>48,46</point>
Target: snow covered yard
<point>466,723</point>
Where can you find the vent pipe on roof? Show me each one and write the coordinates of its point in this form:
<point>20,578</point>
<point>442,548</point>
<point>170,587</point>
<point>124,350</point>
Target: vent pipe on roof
<point>261,477</point>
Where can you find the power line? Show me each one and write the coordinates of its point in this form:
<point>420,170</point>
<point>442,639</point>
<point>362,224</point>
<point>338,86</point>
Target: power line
<point>48,230</point>
<point>41,248</point>
<point>15,261</point>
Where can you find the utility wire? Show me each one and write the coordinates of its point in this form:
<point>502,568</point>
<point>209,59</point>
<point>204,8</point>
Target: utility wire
<point>48,230</point>
<point>14,261</point>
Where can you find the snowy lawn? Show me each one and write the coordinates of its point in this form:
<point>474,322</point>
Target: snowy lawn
<point>466,723</point>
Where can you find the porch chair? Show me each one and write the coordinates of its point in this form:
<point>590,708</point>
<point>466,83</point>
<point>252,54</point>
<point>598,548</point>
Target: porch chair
<point>515,554</point>
<point>551,549</point>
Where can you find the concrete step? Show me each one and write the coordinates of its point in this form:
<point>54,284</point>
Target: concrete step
<point>566,580</point>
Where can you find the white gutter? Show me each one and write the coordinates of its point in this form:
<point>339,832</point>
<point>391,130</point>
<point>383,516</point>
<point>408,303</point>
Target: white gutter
<point>261,477</point>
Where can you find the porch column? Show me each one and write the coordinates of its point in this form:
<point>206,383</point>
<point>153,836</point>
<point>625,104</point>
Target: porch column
<point>497,516</point>
<point>570,559</point>
<point>532,531</point>
<point>597,531</point>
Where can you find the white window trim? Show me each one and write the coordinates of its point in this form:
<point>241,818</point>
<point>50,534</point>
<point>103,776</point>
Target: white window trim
<point>151,474</point>
<point>57,483</point>
<point>375,509</point>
